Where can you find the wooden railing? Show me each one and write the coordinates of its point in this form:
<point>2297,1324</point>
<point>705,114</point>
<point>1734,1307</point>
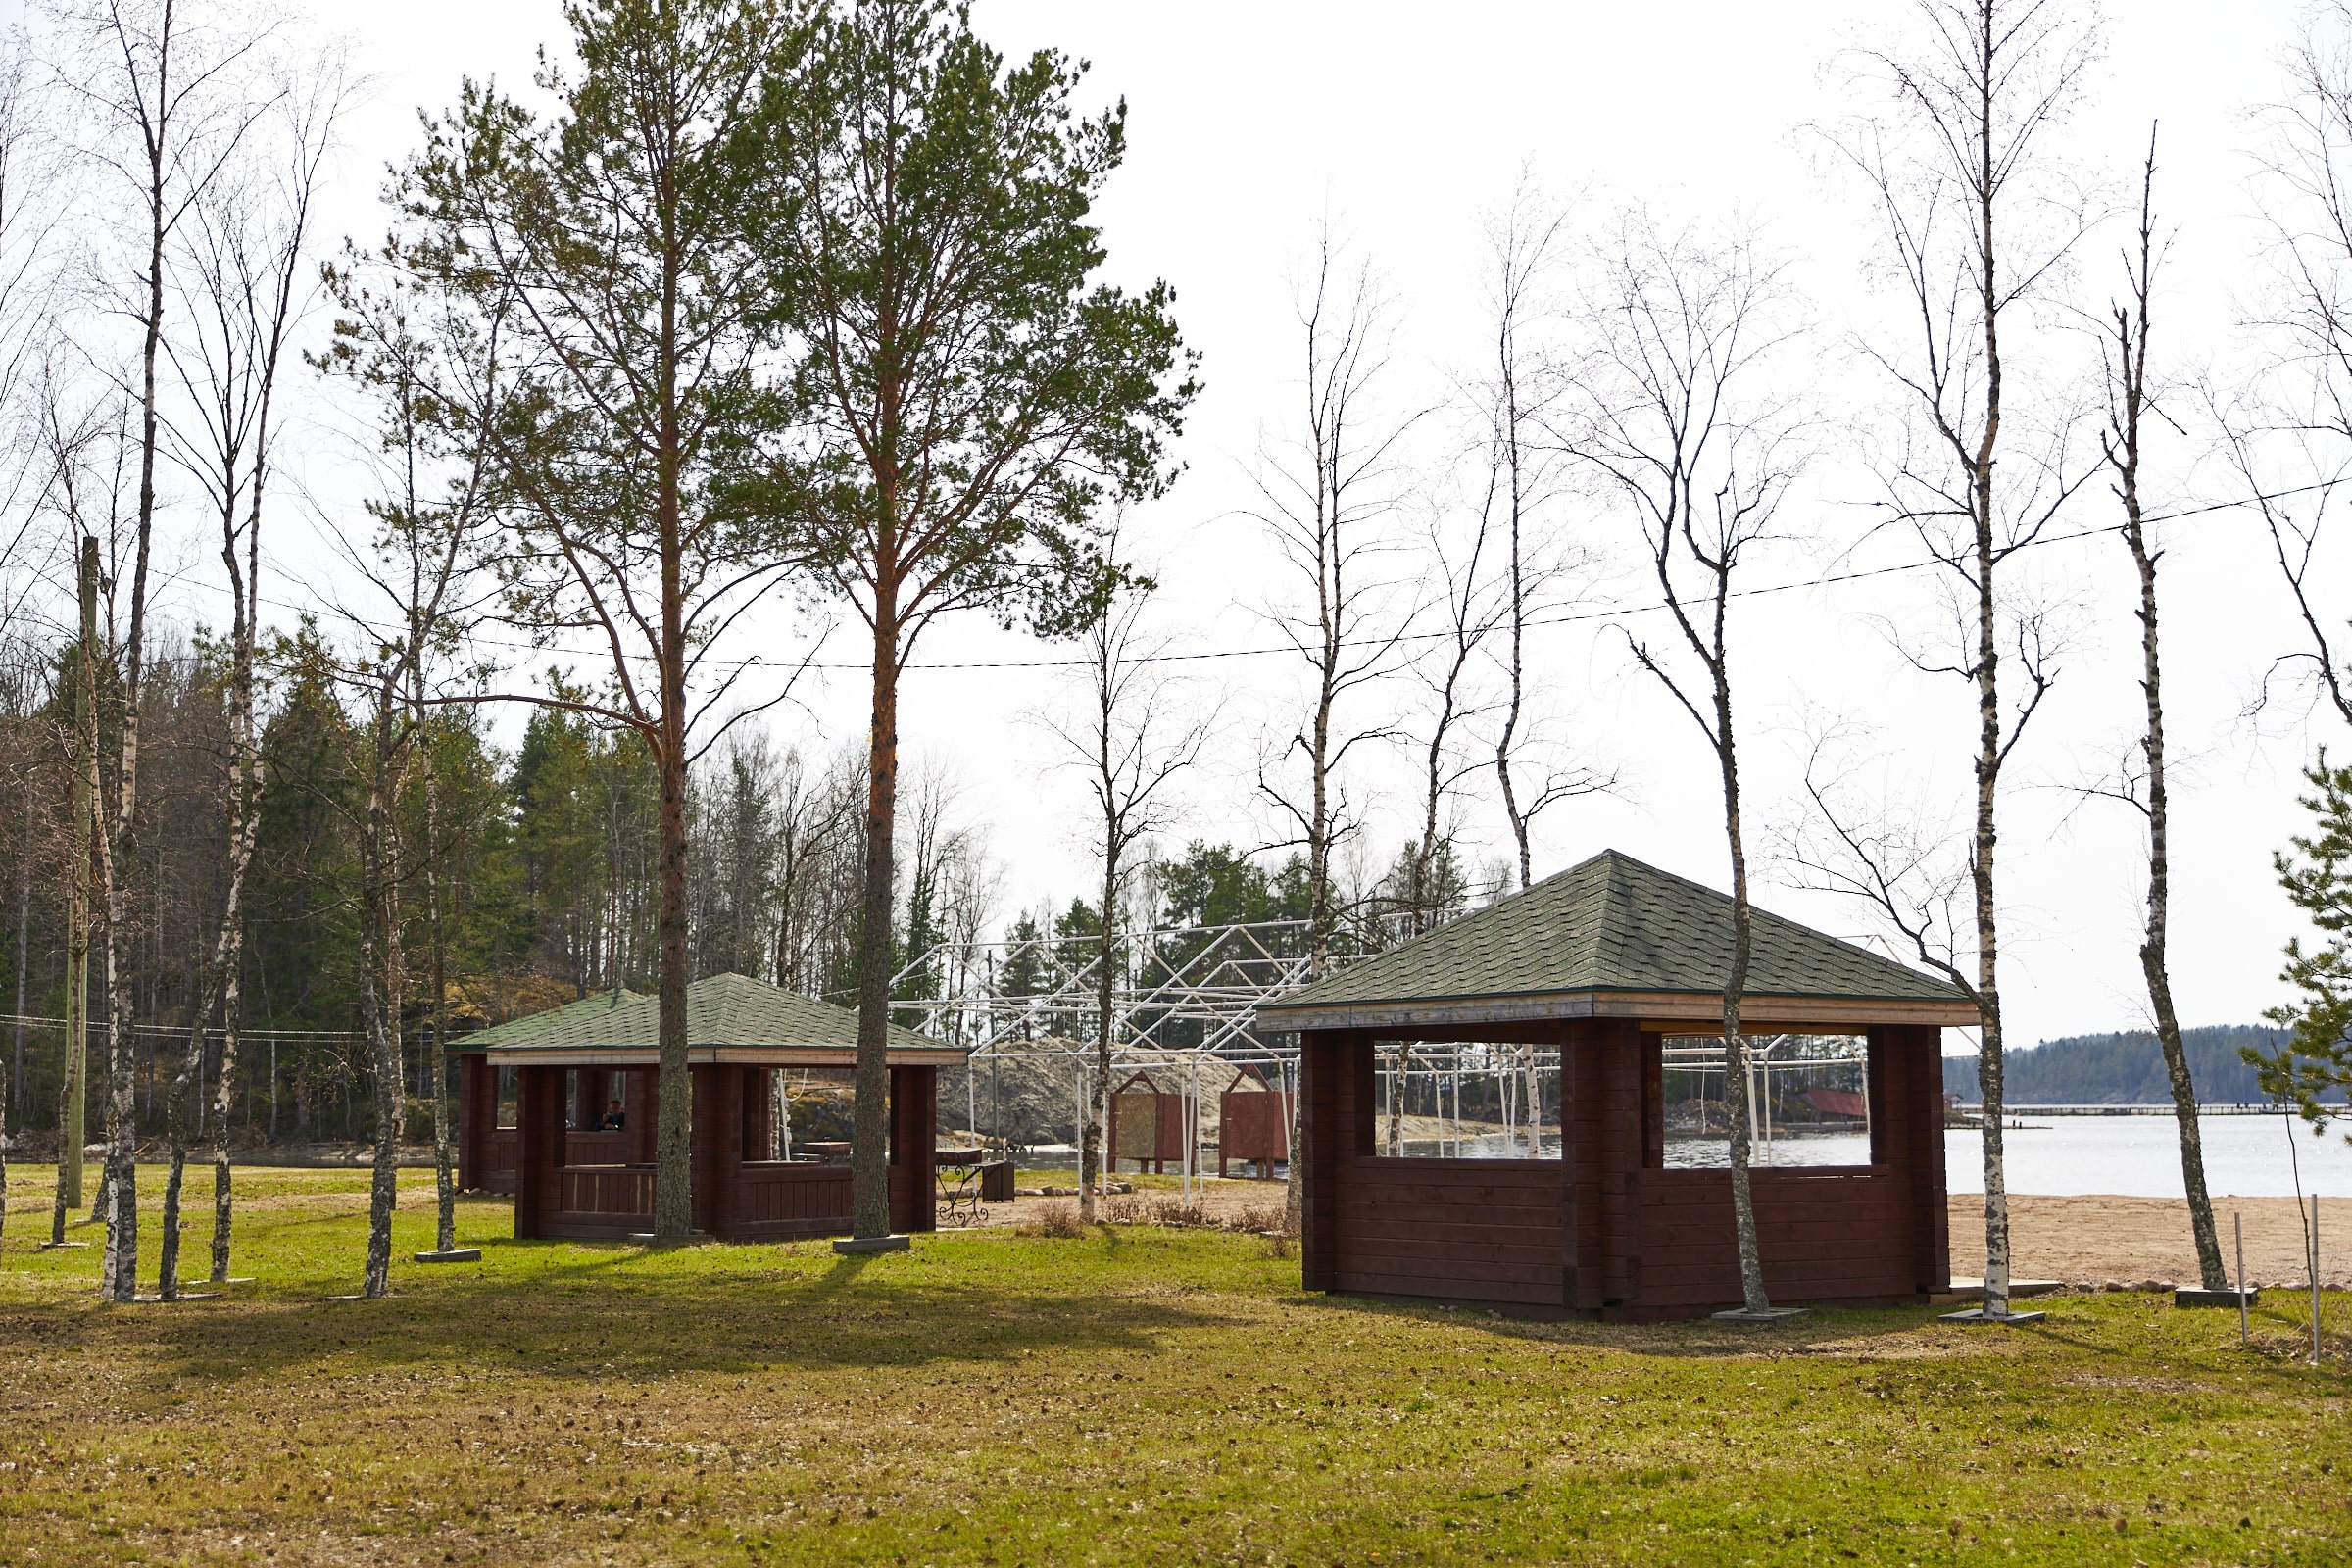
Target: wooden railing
<point>604,1189</point>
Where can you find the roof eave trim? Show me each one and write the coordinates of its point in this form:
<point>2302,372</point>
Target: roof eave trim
<point>930,1055</point>
<point>1695,1007</point>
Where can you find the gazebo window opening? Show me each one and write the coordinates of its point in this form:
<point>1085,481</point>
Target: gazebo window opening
<point>1466,1100</point>
<point>1808,1102</point>
<point>510,1105</point>
<point>816,1116</point>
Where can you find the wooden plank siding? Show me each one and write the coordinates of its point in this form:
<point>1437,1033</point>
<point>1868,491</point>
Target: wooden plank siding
<point>1826,1234</point>
<point>1481,1230</point>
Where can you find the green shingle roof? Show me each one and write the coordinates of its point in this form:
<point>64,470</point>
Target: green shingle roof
<point>515,1031</point>
<point>721,1011</point>
<point>1614,924</point>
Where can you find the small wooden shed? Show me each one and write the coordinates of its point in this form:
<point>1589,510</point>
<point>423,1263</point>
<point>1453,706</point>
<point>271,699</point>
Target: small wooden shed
<point>1601,964</point>
<point>573,1177</point>
<point>1147,1124</point>
<point>1254,1123</point>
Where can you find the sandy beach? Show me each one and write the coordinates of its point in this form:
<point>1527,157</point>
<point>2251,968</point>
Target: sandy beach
<point>2095,1240</point>
<point>2083,1241</point>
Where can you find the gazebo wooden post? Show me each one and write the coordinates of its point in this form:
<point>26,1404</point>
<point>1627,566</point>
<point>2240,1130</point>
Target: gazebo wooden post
<point>1653,1101</point>
<point>1602,1137</point>
<point>1335,1069</point>
<point>477,1118</point>
<point>644,1113</point>
<point>717,1147</point>
<point>913,1147</point>
<point>539,1148</point>
<point>1906,1134</point>
<point>758,1113</point>
<point>589,1096</point>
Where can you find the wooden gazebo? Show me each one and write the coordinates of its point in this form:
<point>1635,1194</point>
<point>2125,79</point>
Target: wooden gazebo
<point>573,1177</point>
<point>1602,962</point>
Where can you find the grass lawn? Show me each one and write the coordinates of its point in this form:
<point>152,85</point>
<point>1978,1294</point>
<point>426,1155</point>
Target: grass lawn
<point>1135,1396</point>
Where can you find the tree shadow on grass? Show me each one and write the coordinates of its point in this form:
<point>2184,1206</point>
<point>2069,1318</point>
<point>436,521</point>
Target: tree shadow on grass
<point>1823,1331</point>
<point>579,1321</point>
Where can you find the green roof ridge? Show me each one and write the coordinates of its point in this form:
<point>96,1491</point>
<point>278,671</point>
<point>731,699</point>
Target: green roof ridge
<point>728,1010</point>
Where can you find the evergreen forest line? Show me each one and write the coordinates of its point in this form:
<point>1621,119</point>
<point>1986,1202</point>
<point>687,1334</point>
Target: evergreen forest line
<point>2126,1069</point>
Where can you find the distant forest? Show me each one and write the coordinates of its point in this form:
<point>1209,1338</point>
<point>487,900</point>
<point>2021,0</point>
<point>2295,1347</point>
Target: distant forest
<point>2121,1069</point>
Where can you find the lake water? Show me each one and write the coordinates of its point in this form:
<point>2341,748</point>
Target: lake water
<point>2131,1156</point>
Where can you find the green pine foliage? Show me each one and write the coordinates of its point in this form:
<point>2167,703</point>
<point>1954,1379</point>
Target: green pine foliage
<point>2315,1066</point>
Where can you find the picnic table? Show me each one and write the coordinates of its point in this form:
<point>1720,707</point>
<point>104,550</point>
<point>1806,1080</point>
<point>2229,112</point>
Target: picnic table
<point>967,1178</point>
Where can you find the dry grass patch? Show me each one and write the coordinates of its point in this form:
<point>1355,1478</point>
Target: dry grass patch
<point>1135,1395</point>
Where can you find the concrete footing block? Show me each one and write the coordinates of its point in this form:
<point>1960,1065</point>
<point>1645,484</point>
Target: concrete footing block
<point>866,1246</point>
<point>1977,1314</point>
<point>2191,1295</point>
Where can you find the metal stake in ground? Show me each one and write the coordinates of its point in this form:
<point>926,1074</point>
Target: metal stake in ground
<point>2237,1229</point>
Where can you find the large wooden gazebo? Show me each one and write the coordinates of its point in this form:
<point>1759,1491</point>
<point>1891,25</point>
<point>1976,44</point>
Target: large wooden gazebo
<point>1602,962</point>
<point>573,1177</point>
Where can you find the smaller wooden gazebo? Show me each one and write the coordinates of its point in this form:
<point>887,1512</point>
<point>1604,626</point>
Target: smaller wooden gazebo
<point>1601,964</point>
<point>570,1176</point>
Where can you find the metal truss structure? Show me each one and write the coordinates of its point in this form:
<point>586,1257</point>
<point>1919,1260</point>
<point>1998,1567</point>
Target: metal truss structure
<point>1215,977</point>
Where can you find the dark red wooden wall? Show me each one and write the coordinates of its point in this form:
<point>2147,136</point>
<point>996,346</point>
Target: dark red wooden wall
<point>1606,1230</point>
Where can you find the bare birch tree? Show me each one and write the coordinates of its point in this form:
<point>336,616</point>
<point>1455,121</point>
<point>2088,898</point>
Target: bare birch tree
<point>88,456</point>
<point>1681,408</point>
<point>168,105</point>
<point>1978,221</point>
<point>2286,435</point>
<point>1133,740</point>
<point>1471,607</point>
<point>246,277</point>
<point>1524,485</point>
<point>1330,511</point>
<point>2131,407</point>
<point>437,378</point>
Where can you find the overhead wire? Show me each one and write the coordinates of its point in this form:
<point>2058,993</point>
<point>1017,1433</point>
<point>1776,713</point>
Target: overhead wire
<point>1581,616</point>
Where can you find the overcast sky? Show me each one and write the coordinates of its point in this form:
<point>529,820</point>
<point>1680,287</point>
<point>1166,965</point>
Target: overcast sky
<point>1403,127</point>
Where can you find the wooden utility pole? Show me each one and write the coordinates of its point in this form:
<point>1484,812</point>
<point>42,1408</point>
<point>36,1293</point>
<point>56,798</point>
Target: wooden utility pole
<point>74,1124</point>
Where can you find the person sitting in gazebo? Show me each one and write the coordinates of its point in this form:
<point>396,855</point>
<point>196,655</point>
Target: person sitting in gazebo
<point>613,1121</point>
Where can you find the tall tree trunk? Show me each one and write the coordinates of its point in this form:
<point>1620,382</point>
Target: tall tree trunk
<point>1735,991</point>
<point>1990,1059</point>
<point>2211,1270</point>
<point>382,963</point>
<point>13,1090</point>
<point>120,1273</point>
<point>869,1174</point>
<point>188,1084</point>
<point>444,1170</point>
<point>1318,890</point>
<point>674,1169</point>
<point>1092,1158</point>
<point>1520,833</point>
<point>244,822</point>
<point>73,1126</point>
<point>2123,452</point>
